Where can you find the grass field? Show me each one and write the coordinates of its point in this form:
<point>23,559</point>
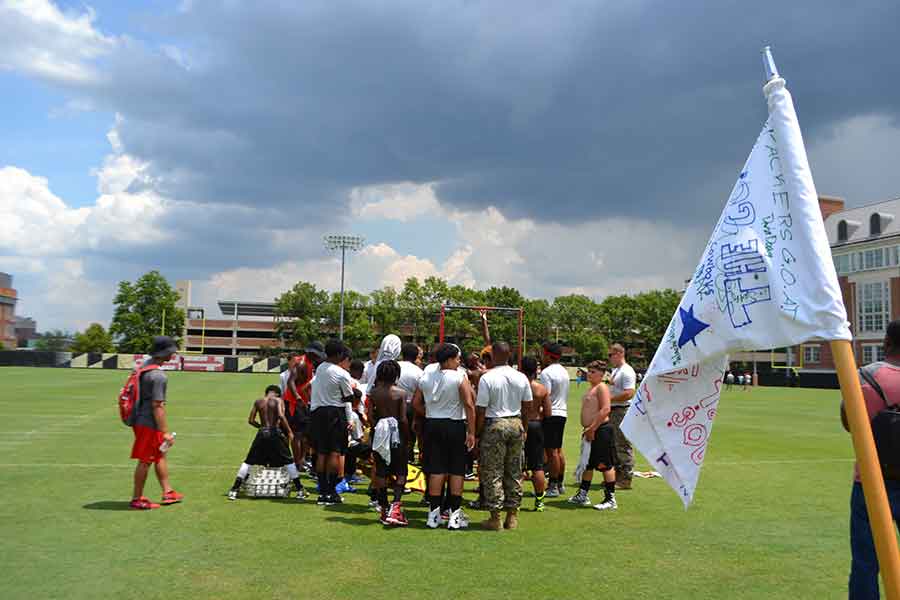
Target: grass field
<point>769,521</point>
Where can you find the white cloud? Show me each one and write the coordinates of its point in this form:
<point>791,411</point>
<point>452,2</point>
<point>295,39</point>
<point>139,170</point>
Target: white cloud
<point>41,40</point>
<point>402,202</point>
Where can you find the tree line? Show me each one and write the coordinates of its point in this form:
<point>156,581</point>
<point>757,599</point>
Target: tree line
<point>146,307</point>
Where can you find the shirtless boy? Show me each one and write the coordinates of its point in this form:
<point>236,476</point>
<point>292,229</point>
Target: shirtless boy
<point>388,401</point>
<point>535,412</point>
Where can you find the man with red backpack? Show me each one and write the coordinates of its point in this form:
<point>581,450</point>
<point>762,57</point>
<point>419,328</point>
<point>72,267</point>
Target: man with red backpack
<point>881,390</point>
<point>151,431</point>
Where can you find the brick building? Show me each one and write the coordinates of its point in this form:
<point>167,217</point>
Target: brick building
<point>8,299</point>
<point>865,246</point>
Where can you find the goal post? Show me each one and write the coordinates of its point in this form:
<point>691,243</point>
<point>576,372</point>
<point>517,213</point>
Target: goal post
<point>518,311</point>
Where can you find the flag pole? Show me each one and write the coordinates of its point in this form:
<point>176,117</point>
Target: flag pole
<point>880,518</point>
<point>877,505</point>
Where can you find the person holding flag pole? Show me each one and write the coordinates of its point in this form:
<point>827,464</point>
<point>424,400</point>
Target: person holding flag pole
<point>765,280</point>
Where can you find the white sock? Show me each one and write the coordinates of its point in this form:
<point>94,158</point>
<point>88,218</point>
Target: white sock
<point>243,471</point>
<point>293,473</point>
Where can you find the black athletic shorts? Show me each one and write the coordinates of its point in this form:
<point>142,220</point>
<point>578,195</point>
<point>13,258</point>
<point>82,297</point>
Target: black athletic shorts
<point>553,432</point>
<point>299,421</point>
<point>445,440</point>
<point>398,466</point>
<point>269,449</point>
<point>534,446</point>
<point>329,429</point>
<point>603,448</point>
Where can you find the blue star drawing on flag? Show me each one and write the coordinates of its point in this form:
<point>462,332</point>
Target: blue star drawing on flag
<point>691,326</point>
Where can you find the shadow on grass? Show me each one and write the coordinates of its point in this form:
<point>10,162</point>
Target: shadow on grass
<point>108,505</point>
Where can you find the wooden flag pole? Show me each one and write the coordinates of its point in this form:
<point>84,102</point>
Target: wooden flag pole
<point>877,504</point>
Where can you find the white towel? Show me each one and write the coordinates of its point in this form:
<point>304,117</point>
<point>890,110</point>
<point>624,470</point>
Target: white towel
<point>583,461</point>
<point>387,436</point>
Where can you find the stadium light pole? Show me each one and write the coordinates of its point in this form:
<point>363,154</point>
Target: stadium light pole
<point>344,243</point>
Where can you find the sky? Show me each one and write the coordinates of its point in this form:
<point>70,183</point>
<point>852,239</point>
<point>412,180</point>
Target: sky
<point>566,147</point>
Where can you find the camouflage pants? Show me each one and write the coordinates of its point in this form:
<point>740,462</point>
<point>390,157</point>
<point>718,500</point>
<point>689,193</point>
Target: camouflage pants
<point>501,463</point>
<point>624,451</point>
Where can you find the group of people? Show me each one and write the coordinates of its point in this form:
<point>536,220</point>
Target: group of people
<point>330,414</point>
<point>456,409</point>
<point>745,380</point>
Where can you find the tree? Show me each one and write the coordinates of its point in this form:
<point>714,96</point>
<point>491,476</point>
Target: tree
<point>53,341</point>
<point>301,312</point>
<point>141,308</point>
<point>94,339</point>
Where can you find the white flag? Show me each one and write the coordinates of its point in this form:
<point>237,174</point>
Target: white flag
<point>766,280</point>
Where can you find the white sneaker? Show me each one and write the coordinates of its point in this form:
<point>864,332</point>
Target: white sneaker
<point>434,518</point>
<point>581,498</point>
<point>301,494</point>
<point>562,488</point>
<point>552,492</point>
<point>458,520</point>
<point>232,494</point>
<point>607,505</point>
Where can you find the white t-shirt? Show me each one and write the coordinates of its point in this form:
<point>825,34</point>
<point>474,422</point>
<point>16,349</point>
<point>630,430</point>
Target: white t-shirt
<point>501,391</point>
<point>283,379</point>
<point>622,378</point>
<point>440,388</point>
<point>368,375</point>
<point>331,385</point>
<point>410,374</point>
<point>555,378</point>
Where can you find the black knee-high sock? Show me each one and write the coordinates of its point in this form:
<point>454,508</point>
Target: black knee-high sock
<point>382,496</point>
<point>238,482</point>
<point>298,485</point>
<point>585,485</point>
<point>435,502</point>
<point>398,492</point>
<point>332,483</point>
<point>609,489</point>
<point>454,502</point>
<point>323,483</point>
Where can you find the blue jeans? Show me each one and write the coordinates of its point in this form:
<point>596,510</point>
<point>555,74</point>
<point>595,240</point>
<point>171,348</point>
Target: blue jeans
<point>864,563</point>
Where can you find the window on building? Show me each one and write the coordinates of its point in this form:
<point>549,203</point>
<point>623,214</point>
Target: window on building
<point>874,306</point>
<point>812,354</point>
<point>875,224</point>
<point>842,231</point>
<point>873,259</point>
<point>842,264</point>
<point>872,353</point>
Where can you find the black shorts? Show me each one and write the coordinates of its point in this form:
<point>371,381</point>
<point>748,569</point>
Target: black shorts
<point>398,466</point>
<point>534,447</point>
<point>445,440</point>
<point>603,448</point>
<point>328,426</point>
<point>553,432</point>
<point>299,421</point>
<point>269,449</point>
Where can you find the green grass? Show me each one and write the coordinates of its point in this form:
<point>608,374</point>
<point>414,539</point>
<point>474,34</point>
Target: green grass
<point>769,521</point>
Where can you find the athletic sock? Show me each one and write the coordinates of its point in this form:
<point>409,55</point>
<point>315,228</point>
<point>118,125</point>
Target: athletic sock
<point>382,497</point>
<point>540,497</point>
<point>332,483</point>
<point>585,485</point>
<point>238,482</point>
<point>609,488</point>
<point>297,484</point>
<point>323,483</point>
<point>435,502</point>
<point>398,493</point>
<point>454,502</point>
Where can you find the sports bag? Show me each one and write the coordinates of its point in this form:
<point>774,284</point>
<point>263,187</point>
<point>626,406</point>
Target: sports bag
<point>130,394</point>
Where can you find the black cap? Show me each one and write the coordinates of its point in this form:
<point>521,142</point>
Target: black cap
<point>316,349</point>
<point>163,347</point>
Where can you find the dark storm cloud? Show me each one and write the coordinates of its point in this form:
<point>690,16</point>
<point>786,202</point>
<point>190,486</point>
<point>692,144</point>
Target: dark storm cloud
<point>560,111</point>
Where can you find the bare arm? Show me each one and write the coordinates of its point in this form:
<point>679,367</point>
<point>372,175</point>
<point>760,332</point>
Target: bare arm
<point>419,404</point>
<point>282,420</point>
<point>485,332</point>
<point>844,420</point>
<point>623,397</point>
<point>479,420</point>
<point>254,413</point>
<point>465,392</point>
<point>547,406</point>
<point>159,415</point>
<point>401,410</point>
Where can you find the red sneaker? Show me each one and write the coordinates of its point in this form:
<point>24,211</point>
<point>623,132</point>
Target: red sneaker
<point>172,497</point>
<point>142,503</point>
<point>396,516</point>
<point>384,516</point>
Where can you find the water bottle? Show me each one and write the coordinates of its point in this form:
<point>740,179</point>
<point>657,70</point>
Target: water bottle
<point>164,447</point>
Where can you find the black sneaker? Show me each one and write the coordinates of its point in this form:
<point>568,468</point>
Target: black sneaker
<point>322,500</point>
<point>336,499</point>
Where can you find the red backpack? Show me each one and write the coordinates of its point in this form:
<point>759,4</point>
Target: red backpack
<point>130,394</point>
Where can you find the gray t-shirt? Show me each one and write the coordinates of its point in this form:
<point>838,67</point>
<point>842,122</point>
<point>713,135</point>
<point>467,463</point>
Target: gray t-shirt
<point>153,388</point>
